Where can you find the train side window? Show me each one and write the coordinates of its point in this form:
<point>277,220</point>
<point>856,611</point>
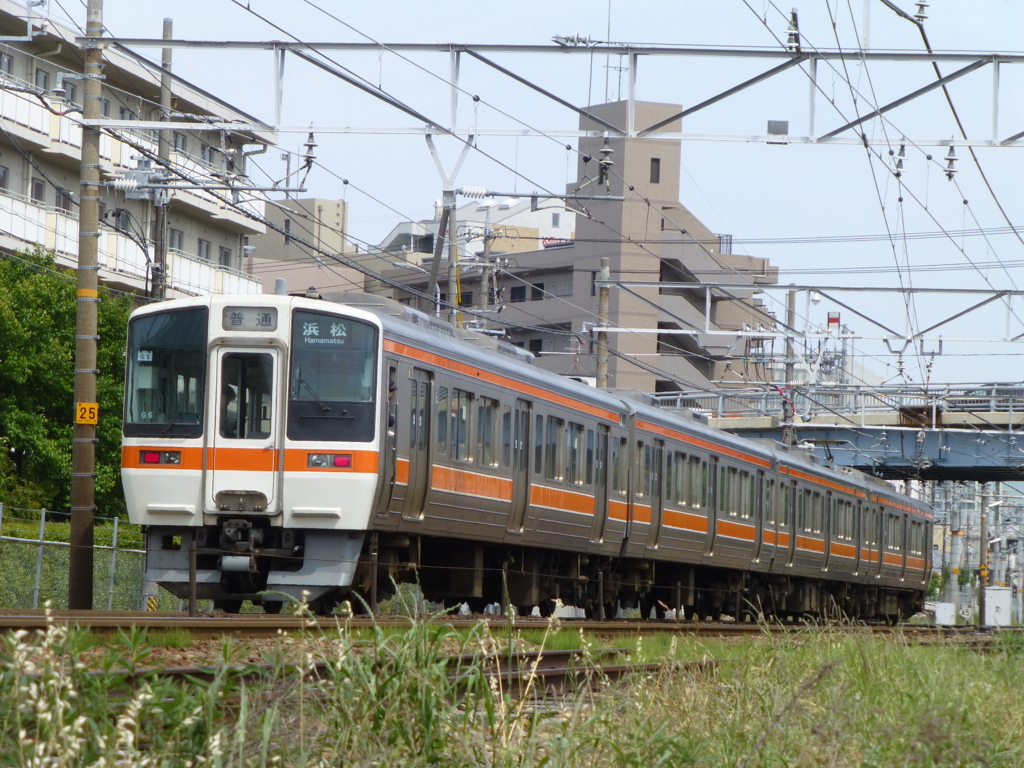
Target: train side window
<point>442,419</point>
<point>414,407</point>
<point>461,402</point>
<point>694,482</point>
<point>669,477</point>
<point>817,512</point>
<point>643,469</point>
<point>506,436</point>
<point>747,502</point>
<point>487,414</point>
<point>574,454</point>
<point>590,457</point>
<point>801,509</point>
<point>538,445</point>
<point>705,485</point>
<point>619,457</point>
<point>553,467</point>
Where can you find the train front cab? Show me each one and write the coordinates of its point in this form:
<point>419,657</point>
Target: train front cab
<point>250,428</point>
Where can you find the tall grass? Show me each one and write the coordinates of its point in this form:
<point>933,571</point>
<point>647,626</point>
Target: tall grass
<point>810,698</point>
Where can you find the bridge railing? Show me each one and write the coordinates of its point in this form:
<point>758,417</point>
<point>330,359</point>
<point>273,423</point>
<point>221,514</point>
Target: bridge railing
<point>807,401</point>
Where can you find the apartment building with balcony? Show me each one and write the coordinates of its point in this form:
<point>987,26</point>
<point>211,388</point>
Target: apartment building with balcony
<point>41,92</point>
<point>669,331</point>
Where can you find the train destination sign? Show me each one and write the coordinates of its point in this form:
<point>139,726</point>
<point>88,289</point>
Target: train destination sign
<point>249,319</point>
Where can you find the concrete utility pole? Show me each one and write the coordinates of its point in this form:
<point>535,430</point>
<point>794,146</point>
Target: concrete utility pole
<point>982,554</point>
<point>83,451</point>
<point>454,280</point>
<point>602,323</point>
<point>161,198</point>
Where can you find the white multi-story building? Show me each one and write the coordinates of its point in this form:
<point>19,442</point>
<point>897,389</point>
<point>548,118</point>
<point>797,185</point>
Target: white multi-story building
<point>41,92</point>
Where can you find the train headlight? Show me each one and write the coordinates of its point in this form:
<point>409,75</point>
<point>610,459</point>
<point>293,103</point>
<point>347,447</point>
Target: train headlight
<point>330,460</point>
<point>160,457</point>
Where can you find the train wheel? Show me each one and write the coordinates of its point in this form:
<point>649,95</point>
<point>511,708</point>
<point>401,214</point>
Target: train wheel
<point>228,606</point>
<point>324,606</point>
<point>273,606</point>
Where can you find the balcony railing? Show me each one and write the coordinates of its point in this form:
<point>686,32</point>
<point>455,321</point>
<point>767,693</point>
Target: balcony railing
<point>28,223</point>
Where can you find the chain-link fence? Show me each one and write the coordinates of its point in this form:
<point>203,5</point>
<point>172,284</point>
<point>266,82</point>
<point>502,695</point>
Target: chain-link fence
<point>34,561</point>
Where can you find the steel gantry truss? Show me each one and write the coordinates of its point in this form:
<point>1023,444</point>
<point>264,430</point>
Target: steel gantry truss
<point>845,133</point>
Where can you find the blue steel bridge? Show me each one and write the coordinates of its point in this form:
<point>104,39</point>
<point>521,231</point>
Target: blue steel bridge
<point>940,432</point>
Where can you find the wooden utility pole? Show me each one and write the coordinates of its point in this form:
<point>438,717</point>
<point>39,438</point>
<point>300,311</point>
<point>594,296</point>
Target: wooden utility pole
<point>83,452</point>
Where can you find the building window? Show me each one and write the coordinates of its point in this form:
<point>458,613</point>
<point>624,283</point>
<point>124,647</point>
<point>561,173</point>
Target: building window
<point>556,220</point>
<point>180,141</point>
<point>125,114</point>
<point>517,294</point>
<point>105,107</point>
<point>176,239</point>
<point>536,346</point>
<point>204,249</point>
<point>655,170</point>
<point>3,177</point>
<point>6,64</point>
<point>536,291</point>
<point>70,93</point>
<point>466,299</point>
<point>63,200</point>
<point>207,154</point>
<point>102,211</point>
<point>38,191</point>
<point>287,231</point>
<point>224,256</point>
<point>42,80</point>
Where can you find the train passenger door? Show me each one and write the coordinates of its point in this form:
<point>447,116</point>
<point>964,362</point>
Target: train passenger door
<point>828,527</point>
<point>600,485</point>
<point>418,442</point>
<point>520,466</point>
<point>762,513</point>
<point>878,527</point>
<point>711,503</point>
<point>789,516</point>
<point>858,533</point>
<point>244,457</point>
<point>656,491</point>
<point>389,457</point>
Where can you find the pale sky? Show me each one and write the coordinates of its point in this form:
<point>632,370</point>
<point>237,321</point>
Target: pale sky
<point>775,194</point>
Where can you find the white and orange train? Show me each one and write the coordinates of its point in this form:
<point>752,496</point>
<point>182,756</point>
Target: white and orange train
<point>337,447</point>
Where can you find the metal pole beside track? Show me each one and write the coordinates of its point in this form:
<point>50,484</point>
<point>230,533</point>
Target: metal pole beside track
<point>192,577</point>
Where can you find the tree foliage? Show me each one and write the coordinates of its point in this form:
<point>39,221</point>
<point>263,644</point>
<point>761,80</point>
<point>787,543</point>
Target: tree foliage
<point>37,372</point>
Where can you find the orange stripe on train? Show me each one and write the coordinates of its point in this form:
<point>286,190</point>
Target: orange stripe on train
<point>554,498</point>
<point>470,483</point>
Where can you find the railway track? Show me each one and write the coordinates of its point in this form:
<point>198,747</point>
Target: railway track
<point>268,625</point>
<point>537,674</point>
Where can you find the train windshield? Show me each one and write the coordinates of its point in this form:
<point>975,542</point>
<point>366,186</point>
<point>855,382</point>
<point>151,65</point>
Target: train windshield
<point>332,386</point>
<point>166,374</point>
